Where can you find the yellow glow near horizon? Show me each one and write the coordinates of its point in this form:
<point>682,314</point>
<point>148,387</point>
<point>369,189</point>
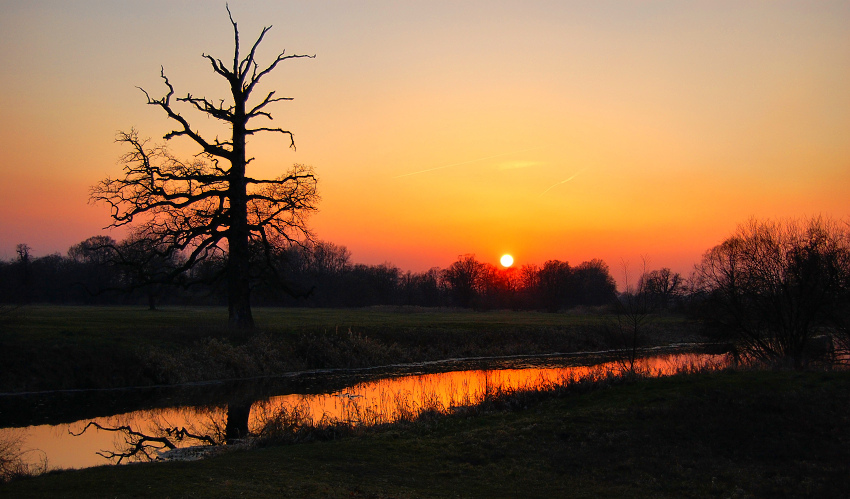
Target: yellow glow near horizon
<point>506,261</point>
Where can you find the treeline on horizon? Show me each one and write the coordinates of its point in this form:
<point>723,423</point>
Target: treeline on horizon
<point>766,277</point>
<point>102,271</point>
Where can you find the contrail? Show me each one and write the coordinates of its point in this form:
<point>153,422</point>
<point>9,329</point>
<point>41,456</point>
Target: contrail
<point>576,174</point>
<point>465,162</point>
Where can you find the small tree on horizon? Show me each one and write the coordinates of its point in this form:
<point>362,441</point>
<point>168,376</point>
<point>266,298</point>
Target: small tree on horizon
<point>209,206</point>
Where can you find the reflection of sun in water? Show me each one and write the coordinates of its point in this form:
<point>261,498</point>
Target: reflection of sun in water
<point>507,261</point>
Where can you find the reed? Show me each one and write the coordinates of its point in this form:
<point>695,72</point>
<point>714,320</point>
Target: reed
<point>288,424</point>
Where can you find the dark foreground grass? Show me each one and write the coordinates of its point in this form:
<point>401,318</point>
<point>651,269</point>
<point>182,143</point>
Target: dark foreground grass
<point>731,434</point>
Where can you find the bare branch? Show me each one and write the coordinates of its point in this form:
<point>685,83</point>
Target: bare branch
<point>218,66</point>
<point>235,39</point>
<point>165,104</point>
<point>249,61</point>
<point>255,78</point>
<point>139,444</point>
<point>208,107</point>
<point>268,100</point>
<point>252,131</point>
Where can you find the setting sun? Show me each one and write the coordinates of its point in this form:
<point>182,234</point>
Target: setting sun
<point>507,261</point>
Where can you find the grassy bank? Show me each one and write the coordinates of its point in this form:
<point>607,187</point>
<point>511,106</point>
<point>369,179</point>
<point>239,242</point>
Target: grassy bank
<point>732,434</point>
<point>59,347</point>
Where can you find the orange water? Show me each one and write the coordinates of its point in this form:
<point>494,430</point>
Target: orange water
<point>372,402</point>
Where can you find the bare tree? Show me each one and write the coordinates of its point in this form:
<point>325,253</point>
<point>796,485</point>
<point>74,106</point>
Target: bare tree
<point>210,206</point>
<point>774,286</point>
<point>146,266</point>
<point>663,286</point>
<point>633,316</point>
<point>25,266</point>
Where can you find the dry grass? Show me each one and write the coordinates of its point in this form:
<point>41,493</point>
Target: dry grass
<point>13,460</point>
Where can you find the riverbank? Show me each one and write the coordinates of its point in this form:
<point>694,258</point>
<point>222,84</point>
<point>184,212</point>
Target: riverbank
<point>64,347</point>
<point>727,434</point>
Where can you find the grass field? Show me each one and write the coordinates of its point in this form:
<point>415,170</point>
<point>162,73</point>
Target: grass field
<point>731,434</point>
<point>51,319</point>
<point>171,326</point>
<point>53,347</point>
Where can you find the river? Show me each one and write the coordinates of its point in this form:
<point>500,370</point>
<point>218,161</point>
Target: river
<point>355,398</point>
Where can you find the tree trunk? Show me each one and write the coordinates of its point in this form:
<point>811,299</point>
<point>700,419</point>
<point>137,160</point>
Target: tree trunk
<point>238,284</point>
<point>236,427</point>
<point>239,257</point>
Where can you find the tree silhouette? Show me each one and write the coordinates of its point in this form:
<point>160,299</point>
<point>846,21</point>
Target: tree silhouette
<point>554,281</point>
<point>775,285</point>
<point>464,279</point>
<point>662,286</point>
<point>209,206</point>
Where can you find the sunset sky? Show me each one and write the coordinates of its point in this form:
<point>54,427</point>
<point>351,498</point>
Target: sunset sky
<point>548,130</point>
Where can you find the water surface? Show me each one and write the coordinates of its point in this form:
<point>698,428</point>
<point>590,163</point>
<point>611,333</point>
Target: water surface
<point>374,401</point>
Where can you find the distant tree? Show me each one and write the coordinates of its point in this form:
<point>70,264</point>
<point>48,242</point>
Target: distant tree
<point>24,272</point>
<point>529,283</point>
<point>594,280</point>
<point>497,287</point>
<point>366,285</point>
<point>320,269</point>
<point>662,286</point>
<point>209,205</point>
<point>422,289</point>
<point>555,282</point>
<point>773,285</point>
<point>326,258</point>
<point>146,265</point>
<point>50,280</point>
<point>463,278</point>
<point>94,271</point>
<point>96,250</point>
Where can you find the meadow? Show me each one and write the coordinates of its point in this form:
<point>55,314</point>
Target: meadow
<point>106,321</point>
<point>72,347</point>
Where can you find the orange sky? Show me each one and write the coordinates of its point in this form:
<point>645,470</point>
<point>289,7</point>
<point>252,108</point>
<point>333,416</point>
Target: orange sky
<point>674,121</point>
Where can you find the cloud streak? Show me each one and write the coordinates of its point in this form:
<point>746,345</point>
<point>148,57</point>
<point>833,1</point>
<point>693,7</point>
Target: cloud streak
<point>515,165</point>
<point>576,174</point>
<point>465,162</point>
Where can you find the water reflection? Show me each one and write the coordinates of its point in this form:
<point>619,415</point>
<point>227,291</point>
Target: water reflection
<point>15,461</point>
<point>367,403</point>
<point>403,398</point>
<point>236,425</point>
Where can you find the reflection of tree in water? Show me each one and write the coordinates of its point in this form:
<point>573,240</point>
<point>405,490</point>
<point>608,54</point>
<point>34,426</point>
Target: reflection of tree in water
<point>143,447</point>
<point>236,427</point>
<point>152,438</point>
<point>13,462</point>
